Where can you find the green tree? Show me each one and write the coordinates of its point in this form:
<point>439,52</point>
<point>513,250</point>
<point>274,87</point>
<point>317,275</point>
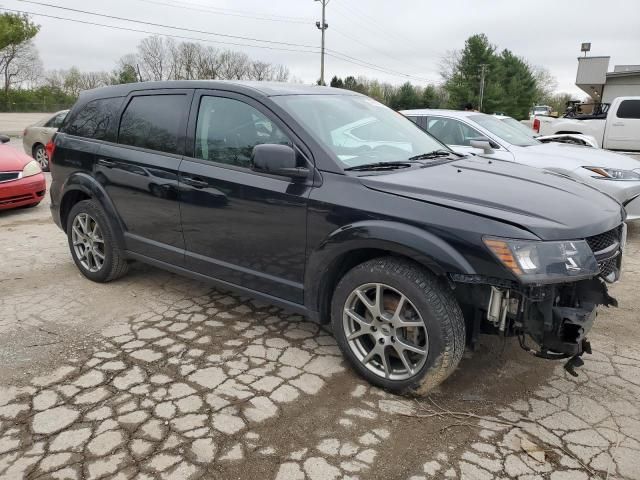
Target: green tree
<point>336,82</point>
<point>18,58</point>
<point>430,97</point>
<point>125,74</point>
<point>463,84</point>
<point>406,98</point>
<point>517,86</point>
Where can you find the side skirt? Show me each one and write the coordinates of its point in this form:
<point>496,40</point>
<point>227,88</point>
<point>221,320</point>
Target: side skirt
<point>291,306</point>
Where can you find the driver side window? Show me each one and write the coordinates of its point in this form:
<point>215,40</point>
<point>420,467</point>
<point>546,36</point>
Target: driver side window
<point>452,132</point>
<point>228,129</point>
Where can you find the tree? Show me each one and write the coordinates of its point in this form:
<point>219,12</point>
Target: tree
<point>463,82</point>
<point>430,97</point>
<point>517,86</point>
<point>336,82</point>
<point>406,98</point>
<point>19,60</point>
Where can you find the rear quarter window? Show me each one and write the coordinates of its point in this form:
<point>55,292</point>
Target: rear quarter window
<point>629,109</point>
<point>96,119</point>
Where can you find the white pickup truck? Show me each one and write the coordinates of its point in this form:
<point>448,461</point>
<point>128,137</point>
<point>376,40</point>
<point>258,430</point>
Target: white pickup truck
<point>615,126</point>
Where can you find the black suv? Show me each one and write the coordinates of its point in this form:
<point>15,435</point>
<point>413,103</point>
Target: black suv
<point>327,203</point>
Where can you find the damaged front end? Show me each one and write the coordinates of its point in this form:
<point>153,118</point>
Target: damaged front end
<point>551,320</point>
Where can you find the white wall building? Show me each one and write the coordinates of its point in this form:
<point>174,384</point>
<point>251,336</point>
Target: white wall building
<point>602,85</point>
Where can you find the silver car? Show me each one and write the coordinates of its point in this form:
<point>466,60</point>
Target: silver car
<point>36,137</point>
<point>479,134</point>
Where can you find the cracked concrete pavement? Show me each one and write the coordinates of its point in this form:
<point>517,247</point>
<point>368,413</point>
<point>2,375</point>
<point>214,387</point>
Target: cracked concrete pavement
<point>157,376</point>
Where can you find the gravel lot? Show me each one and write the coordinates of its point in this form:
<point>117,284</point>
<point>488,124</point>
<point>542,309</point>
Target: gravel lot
<point>157,376</point>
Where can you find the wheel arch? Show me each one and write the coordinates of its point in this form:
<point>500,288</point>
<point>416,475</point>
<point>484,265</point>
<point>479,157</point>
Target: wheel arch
<point>349,246</point>
<point>81,186</point>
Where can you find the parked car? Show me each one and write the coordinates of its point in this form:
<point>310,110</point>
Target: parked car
<point>570,138</point>
<point>35,137</point>
<point>476,133</point>
<point>615,126</point>
<point>403,245</point>
<point>541,110</point>
<point>22,183</point>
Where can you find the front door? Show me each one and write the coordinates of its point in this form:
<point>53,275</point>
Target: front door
<point>140,172</point>
<point>241,226</point>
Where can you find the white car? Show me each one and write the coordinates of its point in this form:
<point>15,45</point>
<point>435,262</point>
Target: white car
<point>479,134</point>
<point>571,138</point>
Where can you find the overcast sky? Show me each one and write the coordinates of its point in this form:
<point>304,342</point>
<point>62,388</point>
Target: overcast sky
<point>400,36</point>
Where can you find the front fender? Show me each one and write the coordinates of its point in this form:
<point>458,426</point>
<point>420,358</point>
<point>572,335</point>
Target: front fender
<point>88,185</point>
<point>398,238</point>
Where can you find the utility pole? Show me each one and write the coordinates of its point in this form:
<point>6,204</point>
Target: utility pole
<point>483,68</point>
<point>322,26</point>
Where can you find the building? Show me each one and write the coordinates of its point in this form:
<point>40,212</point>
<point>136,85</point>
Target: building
<point>603,86</point>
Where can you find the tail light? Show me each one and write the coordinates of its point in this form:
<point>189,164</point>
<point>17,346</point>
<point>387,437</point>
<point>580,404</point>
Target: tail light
<point>50,148</point>
<point>536,125</point>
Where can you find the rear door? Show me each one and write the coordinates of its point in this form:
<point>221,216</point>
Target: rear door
<point>623,126</point>
<point>140,172</point>
<point>241,226</point>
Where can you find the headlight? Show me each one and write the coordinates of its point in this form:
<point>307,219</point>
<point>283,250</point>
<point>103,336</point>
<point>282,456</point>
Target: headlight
<point>30,169</point>
<point>545,262</point>
<point>614,173</point>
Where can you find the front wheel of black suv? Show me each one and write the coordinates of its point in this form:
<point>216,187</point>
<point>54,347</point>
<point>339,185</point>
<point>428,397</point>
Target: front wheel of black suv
<point>398,325</point>
<point>92,243</point>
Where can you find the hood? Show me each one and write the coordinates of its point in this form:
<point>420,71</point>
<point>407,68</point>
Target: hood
<point>550,206</point>
<point>11,160</point>
<point>572,157</point>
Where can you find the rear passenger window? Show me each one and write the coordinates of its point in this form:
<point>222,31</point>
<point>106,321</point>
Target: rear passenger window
<point>96,119</point>
<point>153,122</point>
<point>629,109</point>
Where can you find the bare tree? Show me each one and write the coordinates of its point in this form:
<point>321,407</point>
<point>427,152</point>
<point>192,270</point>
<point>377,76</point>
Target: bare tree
<point>155,59</point>
<point>234,65</point>
<point>19,64</point>
<point>449,64</point>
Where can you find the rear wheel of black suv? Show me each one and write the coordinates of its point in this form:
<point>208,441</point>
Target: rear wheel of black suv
<point>398,325</point>
<point>92,243</point>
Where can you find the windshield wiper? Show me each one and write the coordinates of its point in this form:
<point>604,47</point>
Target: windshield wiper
<point>435,154</point>
<point>381,166</point>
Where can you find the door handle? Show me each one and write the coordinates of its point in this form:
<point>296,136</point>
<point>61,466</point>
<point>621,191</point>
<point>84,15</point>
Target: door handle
<point>195,182</point>
<point>106,163</point>
<point>618,124</point>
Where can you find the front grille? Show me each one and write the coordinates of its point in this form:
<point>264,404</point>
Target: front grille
<point>8,176</point>
<point>608,266</point>
<point>604,240</point>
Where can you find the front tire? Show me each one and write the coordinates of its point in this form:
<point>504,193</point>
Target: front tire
<point>398,325</point>
<point>92,243</point>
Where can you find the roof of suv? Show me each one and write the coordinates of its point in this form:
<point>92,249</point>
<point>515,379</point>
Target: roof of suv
<point>267,89</point>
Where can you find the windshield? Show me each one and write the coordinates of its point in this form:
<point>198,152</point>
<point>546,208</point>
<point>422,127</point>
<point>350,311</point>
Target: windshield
<point>359,130</point>
<point>503,131</point>
<point>519,126</point>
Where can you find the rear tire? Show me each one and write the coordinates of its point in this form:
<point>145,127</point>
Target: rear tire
<point>417,325</point>
<point>40,156</point>
<point>92,243</point>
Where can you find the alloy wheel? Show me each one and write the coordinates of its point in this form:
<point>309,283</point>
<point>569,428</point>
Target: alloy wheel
<point>385,331</point>
<point>88,243</point>
<point>41,157</point>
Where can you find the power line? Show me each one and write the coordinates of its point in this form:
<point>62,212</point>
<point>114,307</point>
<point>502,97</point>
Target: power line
<point>148,32</point>
<point>228,12</point>
<point>308,48</point>
<point>152,24</point>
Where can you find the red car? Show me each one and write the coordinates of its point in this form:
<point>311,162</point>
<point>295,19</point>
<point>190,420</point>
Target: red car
<point>22,182</point>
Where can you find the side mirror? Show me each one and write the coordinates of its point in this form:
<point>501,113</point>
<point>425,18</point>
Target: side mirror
<point>4,138</point>
<point>483,143</point>
<point>277,160</point>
